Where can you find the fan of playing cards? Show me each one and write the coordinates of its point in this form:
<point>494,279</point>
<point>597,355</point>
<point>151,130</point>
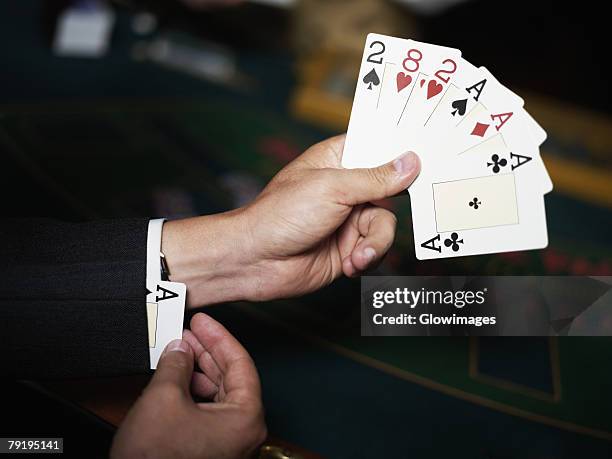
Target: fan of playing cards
<point>482,182</point>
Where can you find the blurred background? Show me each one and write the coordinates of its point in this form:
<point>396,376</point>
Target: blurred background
<point>179,108</point>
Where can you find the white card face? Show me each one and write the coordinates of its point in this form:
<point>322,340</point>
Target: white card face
<point>498,209</point>
<point>528,234</point>
<point>435,70</point>
<point>392,71</point>
<point>465,91</point>
<point>520,151</point>
<point>538,136</point>
<point>491,115</point>
<point>499,212</point>
<point>538,133</point>
<point>529,133</point>
<point>467,88</point>
<point>165,313</point>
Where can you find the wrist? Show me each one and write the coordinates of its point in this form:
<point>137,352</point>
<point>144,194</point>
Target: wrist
<point>212,255</point>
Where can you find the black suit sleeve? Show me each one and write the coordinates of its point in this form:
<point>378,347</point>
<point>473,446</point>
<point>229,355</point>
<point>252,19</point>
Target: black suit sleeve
<point>72,298</point>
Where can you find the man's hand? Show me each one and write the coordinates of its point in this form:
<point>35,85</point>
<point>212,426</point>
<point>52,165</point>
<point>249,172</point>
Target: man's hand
<point>313,222</point>
<point>166,422</point>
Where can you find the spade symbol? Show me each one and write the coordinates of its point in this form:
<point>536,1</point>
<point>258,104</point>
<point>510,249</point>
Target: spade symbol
<point>459,107</point>
<point>371,79</point>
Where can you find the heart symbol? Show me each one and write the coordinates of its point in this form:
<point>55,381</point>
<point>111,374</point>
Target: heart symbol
<point>403,80</point>
<point>433,89</point>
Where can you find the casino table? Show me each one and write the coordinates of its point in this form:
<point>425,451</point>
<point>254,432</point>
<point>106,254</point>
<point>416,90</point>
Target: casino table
<point>113,138</point>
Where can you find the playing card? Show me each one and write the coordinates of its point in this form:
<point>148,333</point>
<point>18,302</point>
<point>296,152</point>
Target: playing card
<point>392,71</point>
<point>477,215</point>
<point>434,72</point>
<point>538,135</point>
<point>523,135</point>
<point>523,151</point>
<point>482,178</point>
<point>460,208</point>
<point>165,311</point>
<point>491,115</point>
<point>469,87</point>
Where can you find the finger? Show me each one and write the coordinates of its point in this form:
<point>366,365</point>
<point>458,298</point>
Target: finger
<point>206,384</point>
<point>348,237</point>
<point>240,382</point>
<point>377,225</point>
<point>175,367</point>
<point>358,186</point>
<point>348,267</point>
<point>203,386</point>
<point>205,361</point>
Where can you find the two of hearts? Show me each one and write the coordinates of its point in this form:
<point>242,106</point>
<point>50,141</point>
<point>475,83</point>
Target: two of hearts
<point>433,87</point>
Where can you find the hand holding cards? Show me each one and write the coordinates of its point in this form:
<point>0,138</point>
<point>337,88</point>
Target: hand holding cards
<point>482,179</point>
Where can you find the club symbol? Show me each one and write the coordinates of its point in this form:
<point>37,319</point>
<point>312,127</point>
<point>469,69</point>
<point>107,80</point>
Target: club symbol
<point>497,163</point>
<point>453,242</point>
<point>475,203</point>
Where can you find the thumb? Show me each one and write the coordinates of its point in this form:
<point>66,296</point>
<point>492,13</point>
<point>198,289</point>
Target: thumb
<point>175,366</point>
<point>365,185</point>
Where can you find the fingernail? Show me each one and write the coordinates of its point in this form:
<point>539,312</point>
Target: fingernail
<point>369,253</point>
<point>177,345</point>
<point>406,164</point>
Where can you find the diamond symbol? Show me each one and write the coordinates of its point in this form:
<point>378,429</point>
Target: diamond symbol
<point>480,129</point>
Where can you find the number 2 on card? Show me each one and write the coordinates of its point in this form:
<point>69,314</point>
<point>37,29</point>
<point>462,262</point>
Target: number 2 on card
<point>439,73</point>
<point>376,53</point>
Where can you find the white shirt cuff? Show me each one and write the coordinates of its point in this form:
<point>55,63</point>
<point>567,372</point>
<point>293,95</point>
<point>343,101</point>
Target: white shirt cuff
<point>154,249</point>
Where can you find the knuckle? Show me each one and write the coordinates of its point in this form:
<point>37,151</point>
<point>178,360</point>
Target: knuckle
<point>378,177</point>
<point>386,226</point>
<point>390,235</point>
<point>392,219</point>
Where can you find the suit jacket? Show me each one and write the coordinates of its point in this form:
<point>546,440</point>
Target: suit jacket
<point>72,298</point>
